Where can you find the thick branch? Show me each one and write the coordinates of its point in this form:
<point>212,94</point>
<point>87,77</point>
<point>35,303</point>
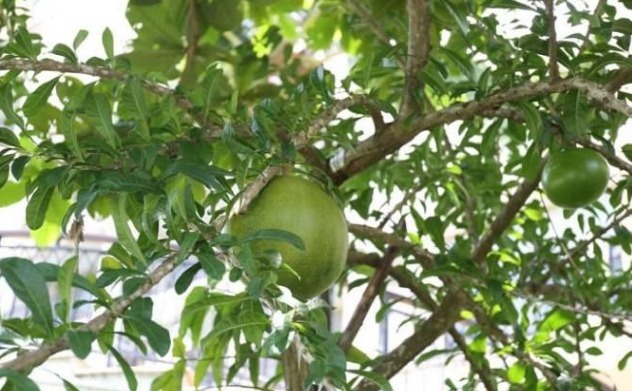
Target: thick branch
<point>621,77</point>
<point>603,96</point>
<point>398,133</point>
<point>417,56</point>
<point>435,326</point>
<point>31,359</point>
<point>407,280</point>
<point>554,71</point>
<point>294,367</point>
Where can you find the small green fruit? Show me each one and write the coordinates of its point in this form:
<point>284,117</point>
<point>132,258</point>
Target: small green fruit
<point>302,207</point>
<point>575,177</point>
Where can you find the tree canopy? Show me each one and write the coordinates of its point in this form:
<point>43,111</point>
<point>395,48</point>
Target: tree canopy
<point>433,142</point>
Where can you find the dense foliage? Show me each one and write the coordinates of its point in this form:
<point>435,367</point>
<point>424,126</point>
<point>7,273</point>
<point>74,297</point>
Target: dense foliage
<point>435,140</point>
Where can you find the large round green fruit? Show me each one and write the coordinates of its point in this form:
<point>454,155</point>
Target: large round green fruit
<point>302,207</point>
<point>575,177</point>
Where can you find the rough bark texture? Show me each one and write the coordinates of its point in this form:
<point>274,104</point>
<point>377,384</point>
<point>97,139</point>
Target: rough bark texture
<point>435,326</point>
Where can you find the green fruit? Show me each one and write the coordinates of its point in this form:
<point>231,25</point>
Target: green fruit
<point>299,206</point>
<point>575,177</point>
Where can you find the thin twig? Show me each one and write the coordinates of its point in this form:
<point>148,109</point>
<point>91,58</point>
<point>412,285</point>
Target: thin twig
<point>582,246</point>
<point>554,71</point>
<point>425,258</point>
<point>358,8</point>
<point>370,293</point>
<point>504,218</point>
<point>331,113</point>
<point>599,9</point>
<point>613,159</point>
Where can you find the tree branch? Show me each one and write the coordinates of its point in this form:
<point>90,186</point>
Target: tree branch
<point>417,56</point>
<point>399,133</point>
<point>435,326</point>
<point>89,70</point>
<point>554,71</point>
<point>502,221</point>
<point>332,112</point>
<point>603,96</point>
<point>28,360</point>
<point>295,368</point>
<point>614,160</point>
<point>599,9</point>
<point>425,258</point>
<point>495,333</point>
<point>581,247</point>
<point>407,280</point>
<point>370,293</point>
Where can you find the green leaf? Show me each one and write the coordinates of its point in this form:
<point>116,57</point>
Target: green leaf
<point>9,138</point>
<point>6,105</point>
<point>129,374</point>
<point>108,43</point>
<point>64,281</point>
<point>157,336</point>
<point>555,320</point>
<point>134,100</point>
<point>623,26</point>
<point>29,286</point>
<point>68,386</point>
<point>516,373</point>
<point>212,266</point>
<point>18,380</point>
<point>213,300</point>
<point>81,342</point>
<point>170,380</point>
<point>65,126</point>
<point>209,176</point>
<point>357,356</point>
<point>50,273</point>
<point>17,167</point>
<point>627,151</point>
<point>624,361</point>
<point>123,231</point>
<point>38,98</point>
<point>23,44</point>
<point>38,206</point>
<point>98,108</point>
<point>66,52</point>
<point>119,182</point>
<point>184,281</point>
<point>274,234</point>
<point>4,170</point>
<point>374,377</point>
<point>79,38</point>
<point>187,243</point>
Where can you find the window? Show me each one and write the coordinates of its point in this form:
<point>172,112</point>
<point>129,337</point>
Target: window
<point>615,259</point>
